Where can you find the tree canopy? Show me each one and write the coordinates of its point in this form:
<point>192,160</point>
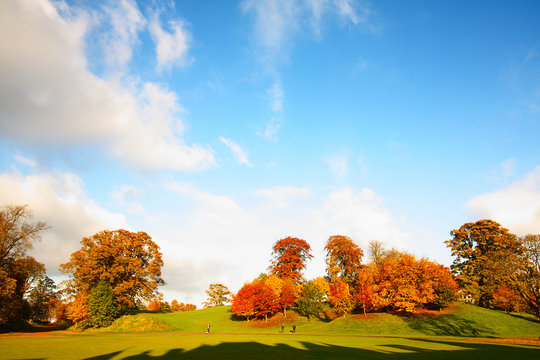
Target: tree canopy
<point>130,262</point>
<point>290,255</point>
<point>343,259</point>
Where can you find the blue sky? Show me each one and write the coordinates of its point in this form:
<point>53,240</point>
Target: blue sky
<point>219,127</point>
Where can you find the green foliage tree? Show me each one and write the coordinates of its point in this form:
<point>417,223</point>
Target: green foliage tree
<point>42,299</point>
<point>485,255</point>
<point>218,295</point>
<point>311,300</point>
<point>102,305</point>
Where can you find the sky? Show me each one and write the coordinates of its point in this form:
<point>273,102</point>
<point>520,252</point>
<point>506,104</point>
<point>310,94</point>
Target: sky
<point>220,127</point>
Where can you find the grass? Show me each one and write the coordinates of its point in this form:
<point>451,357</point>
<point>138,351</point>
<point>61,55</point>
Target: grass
<point>463,331</point>
<point>460,320</point>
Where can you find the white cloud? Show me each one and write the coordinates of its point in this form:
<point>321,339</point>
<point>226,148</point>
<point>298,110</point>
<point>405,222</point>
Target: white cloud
<point>339,165</point>
<point>25,161</point>
<point>171,47</point>
<point>48,95</point>
<point>60,200</point>
<point>361,216</point>
<point>239,153</point>
<point>276,97</point>
<point>126,21</point>
<point>516,207</point>
<point>281,196</point>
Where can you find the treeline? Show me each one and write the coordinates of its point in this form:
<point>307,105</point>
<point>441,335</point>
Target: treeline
<point>117,272</point>
<point>390,281</point>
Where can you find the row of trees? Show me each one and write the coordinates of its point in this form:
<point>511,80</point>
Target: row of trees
<point>391,281</point>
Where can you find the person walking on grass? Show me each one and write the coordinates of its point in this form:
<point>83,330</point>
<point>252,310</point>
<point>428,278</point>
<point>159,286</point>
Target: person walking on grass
<point>282,328</point>
<point>293,328</point>
<point>208,329</point>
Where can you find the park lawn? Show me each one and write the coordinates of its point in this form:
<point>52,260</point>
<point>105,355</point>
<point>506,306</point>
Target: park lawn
<point>253,346</point>
<point>460,320</point>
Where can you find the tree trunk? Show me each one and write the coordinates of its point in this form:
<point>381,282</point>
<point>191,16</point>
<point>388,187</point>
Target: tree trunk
<point>364,306</point>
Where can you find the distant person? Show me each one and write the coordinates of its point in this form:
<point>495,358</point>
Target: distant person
<point>208,329</point>
<point>293,328</point>
<point>282,328</point>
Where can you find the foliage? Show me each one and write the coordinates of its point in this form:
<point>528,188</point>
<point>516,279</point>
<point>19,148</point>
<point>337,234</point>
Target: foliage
<point>485,254</point>
<point>77,310</point>
<point>154,305</point>
<point>340,298</point>
<point>102,305</point>
<point>525,280</point>
<point>406,284</point>
<point>243,304</point>
<point>42,299</point>
<point>364,289</point>
<point>343,259</point>
<point>311,300</point>
<point>17,271</point>
<point>175,306</point>
<point>256,299</point>
<point>289,258</point>
<point>218,295</point>
<point>130,262</point>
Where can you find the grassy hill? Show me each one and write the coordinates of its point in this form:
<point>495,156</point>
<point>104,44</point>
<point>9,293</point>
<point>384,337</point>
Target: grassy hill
<point>458,320</point>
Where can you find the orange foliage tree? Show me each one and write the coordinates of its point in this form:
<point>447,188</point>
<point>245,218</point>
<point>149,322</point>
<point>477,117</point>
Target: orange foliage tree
<point>343,259</point>
<point>289,258</point>
<point>404,283</point>
<point>364,289</point>
<point>340,298</point>
<point>129,262</point>
<point>175,306</point>
<point>154,305</point>
<point>243,304</point>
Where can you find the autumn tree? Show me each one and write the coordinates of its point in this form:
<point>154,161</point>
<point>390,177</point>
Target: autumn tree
<point>289,258</point>
<point>364,288</point>
<point>154,305</point>
<point>340,298</point>
<point>17,271</point>
<point>218,295</point>
<point>102,305</point>
<point>129,262</point>
<point>175,306</point>
<point>525,280</point>
<point>288,295</point>
<point>483,251</point>
<point>343,259</point>
<point>243,304</point>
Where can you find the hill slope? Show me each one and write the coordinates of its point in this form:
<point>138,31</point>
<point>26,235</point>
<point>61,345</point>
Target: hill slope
<point>459,320</point>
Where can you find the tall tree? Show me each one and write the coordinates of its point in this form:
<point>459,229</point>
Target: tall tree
<point>17,271</point>
<point>243,302</point>
<point>343,259</point>
<point>289,258</point>
<point>130,262</point>
<point>16,233</point>
<point>42,298</point>
<point>311,299</point>
<point>218,295</point>
<point>483,252</point>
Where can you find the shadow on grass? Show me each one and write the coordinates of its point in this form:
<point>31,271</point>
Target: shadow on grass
<point>525,317</point>
<point>254,350</point>
<point>448,325</point>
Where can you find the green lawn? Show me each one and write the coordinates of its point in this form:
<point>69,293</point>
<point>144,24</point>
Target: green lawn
<point>459,333</point>
<point>176,346</point>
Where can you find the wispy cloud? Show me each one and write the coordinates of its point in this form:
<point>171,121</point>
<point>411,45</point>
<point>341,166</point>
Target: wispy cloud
<point>239,153</point>
<point>338,164</point>
<point>281,196</point>
<point>171,47</point>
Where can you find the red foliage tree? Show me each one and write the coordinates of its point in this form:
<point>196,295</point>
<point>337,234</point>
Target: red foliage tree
<point>290,256</point>
<point>364,290</point>
<point>288,296</point>
<point>243,304</point>
<point>340,298</point>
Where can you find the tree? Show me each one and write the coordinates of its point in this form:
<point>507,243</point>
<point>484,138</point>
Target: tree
<point>376,251</point>
<point>175,306</point>
<point>289,258</point>
<point>483,252</point>
<point>42,299</point>
<point>17,271</point>
<point>343,259</point>
<point>310,301</point>
<point>288,295</point>
<point>16,233</point>
<point>340,298</point>
<point>130,262</point>
<point>525,280</point>
<point>265,301</point>
<point>218,295</point>
<point>243,304</point>
<point>154,305</point>
<point>364,288</point>
<point>102,305</point>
